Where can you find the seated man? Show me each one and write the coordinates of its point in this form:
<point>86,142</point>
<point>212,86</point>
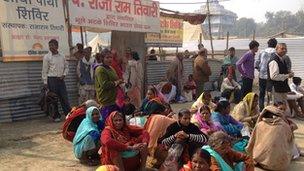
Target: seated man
<point>296,97</point>
<point>230,89</point>
<point>168,90</point>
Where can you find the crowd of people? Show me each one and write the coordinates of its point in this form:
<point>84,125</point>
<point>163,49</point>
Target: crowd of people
<point>120,131</point>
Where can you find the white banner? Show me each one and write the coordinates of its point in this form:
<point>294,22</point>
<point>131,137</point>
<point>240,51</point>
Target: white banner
<point>28,25</point>
<point>121,15</point>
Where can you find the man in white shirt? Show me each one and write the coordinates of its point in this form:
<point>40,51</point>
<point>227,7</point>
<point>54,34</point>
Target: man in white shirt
<point>54,70</point>
<point>297,94</point>
<point>279,74</point>
<point>230,87</point>
<point>261,64</point>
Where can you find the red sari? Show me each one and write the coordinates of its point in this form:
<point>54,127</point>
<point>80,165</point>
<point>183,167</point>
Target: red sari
<point>116,141</point>
<point>116,65</point>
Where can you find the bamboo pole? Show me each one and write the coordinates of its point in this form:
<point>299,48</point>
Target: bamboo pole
<point>81,35</point>
<point>209,24</point>
<point>70,41</point>
<point>227,41</point>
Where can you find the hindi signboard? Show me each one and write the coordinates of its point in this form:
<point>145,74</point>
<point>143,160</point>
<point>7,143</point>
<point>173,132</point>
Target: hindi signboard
<point>28,25</point>
<point>171,33</point>
<point>120,15</point>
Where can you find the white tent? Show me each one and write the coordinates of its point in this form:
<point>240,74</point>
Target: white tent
<point>96,43</point>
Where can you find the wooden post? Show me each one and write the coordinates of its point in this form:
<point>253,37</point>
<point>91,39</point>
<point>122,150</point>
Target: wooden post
<point>227,41</point>
<point>85,36</point>
<point>253,38</point>
<point>209,24</point>
<point>81,35</point>
<point>70,41</point>
<point>200,38</point>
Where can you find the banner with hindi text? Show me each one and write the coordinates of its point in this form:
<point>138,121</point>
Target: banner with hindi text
<point>120,15</point>
<point>28,25</point>
<point>171,34</point>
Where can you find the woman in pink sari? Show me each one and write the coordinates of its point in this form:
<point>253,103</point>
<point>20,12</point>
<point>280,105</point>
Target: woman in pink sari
<point>203,121</point>
<point>117,65</point>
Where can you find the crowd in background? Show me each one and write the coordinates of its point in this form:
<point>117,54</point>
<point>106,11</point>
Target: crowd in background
<point>122,131</point>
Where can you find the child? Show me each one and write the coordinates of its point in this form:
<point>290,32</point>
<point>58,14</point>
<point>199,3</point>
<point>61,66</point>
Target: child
<point>128,108</point>
<point>190,88</point>
<point>200,162</point>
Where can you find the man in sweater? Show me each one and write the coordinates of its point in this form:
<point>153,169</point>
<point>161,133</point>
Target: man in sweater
<point>201,70</point>
<point>279,74</point>
<point>54,70</point>
<point>245,66</point>
<point>261,65</point>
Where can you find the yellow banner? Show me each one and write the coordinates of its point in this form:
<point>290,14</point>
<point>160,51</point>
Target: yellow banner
<point>171,33</point>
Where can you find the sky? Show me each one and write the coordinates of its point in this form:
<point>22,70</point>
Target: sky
<point>255,9</point>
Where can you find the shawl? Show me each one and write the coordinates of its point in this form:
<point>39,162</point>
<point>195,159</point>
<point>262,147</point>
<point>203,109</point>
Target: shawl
<point>201,102</point>
<point>85,127</point>
<point>245,109</point>
<point>123,135</point>
<point>271,142</point>
<point>203,125</point>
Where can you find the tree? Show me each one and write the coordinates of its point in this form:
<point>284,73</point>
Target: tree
<point>244,27</point>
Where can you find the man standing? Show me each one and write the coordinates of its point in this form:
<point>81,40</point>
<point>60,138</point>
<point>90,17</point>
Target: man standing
<point>54,70</point>
<point>261,65</point>
<point>201,70</point>
<point>279,74</point>
<point>85,76</point>
<point>175,74</point>
<point>245,66</point>
<point>229,64</point>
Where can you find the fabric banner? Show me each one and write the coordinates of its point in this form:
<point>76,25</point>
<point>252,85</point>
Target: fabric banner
<point>28,25</point>
<point>120,15</point>
<point>171,33</point>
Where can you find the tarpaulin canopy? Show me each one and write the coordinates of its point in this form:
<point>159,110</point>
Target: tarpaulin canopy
<point>192,18</point>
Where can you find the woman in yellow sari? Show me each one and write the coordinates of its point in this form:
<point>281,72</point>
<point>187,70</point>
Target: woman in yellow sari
<point>247,110</point>
<point>204,99</point>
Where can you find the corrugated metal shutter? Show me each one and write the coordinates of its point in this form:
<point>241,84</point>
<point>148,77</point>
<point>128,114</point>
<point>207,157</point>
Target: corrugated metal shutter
<point>20,84</point>
<point>156,70</point>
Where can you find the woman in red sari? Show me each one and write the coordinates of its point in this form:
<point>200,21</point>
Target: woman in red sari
<point>117,65</point>
<point>122,144</point>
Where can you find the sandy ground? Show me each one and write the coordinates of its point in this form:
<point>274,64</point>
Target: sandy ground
<point>38,145</point>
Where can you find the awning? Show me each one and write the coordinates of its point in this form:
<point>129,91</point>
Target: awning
<point>192,18</point>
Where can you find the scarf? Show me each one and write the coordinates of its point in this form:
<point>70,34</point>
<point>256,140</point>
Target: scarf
<point>204,125</point>
<point>248,100</point>
<point>123,135</point>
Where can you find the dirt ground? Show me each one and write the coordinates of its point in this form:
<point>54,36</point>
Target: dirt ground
<point>38,145</point>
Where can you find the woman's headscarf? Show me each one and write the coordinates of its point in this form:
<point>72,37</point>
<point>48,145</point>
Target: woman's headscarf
<point>107,168</point>
<point>248,99</point>
<point>274,110</point>
<point>201,100</point>
<point>122,135</point>
<point>198,116</point>
<point>86,126</point>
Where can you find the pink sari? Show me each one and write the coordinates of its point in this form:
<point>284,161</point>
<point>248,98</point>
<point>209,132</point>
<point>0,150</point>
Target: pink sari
<point>203,125</point>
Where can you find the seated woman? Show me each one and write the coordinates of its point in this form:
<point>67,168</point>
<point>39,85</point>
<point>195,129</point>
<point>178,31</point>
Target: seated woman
<point>86,141</point>
<point>231,89</point>
<point>204,99</point>
<point>201,161</point>
<point>153,103</point>
<point>74,118</point>
<point>223,157</point>
<point>222,119</point>
<point>168,90</point>
<point>271,142</point>
<point>247,110</point>
<point>122,144</point>
<point>202,119</point>
<point>184,133</point>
